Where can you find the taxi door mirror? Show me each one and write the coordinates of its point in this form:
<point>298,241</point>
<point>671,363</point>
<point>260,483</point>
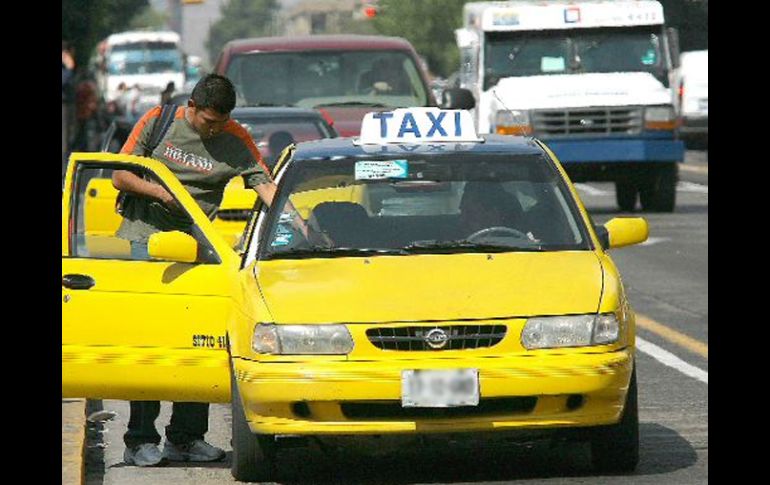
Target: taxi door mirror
<point>173,246</point>
<point>625,231</point>
<point>457,98</point>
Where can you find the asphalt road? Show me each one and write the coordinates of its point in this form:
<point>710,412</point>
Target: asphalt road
<point>667,282</point>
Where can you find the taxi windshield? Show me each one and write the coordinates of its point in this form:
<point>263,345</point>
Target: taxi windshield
<point>327,78</point>
<point>422,204</point>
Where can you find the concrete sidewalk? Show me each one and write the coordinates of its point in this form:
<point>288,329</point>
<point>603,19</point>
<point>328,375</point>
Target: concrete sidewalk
<point>73,434</point>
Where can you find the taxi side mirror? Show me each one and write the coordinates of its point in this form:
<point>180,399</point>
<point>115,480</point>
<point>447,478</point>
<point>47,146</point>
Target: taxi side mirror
<point>457,98</point>
<point>624,231</point>
<point>173,246</point>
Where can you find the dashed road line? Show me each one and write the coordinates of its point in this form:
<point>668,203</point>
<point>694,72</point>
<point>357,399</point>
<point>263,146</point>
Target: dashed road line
<point>593,191</point>
<point>667,358</point>
<point>694,169</point>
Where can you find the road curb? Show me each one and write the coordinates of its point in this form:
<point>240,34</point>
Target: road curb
<point>73,438</point>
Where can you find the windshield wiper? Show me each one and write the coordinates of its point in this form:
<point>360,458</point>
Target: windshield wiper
<point>464,245</point>
<point>352,103</point>
<point>327,252</point>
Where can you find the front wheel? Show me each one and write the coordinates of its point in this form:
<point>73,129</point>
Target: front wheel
<point>253,455</point>
<point>659,193</point>
<point>615,448</point>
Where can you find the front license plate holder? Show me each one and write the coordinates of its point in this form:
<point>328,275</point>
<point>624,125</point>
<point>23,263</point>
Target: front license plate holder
<point>433,388</point>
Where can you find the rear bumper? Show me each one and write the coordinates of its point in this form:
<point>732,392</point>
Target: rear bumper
<point>348,397</point>
<point>648,149</point>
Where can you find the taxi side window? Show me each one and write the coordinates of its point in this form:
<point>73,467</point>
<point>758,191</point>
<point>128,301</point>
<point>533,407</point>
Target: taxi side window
<point>94,222</point>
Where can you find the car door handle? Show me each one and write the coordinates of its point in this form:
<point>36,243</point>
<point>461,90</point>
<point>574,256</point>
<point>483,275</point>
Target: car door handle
<point>77,281</point>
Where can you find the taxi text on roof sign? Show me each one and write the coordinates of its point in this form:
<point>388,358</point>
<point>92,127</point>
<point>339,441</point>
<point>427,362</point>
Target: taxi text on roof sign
<point>417,125</point>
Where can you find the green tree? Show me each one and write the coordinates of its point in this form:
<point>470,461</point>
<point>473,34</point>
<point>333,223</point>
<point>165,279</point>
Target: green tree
<point>85,22</point>
<point>429,25</point>
<point>241,19</point>
<point>148,18</point>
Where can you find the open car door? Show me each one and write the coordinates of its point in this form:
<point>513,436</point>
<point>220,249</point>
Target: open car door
<point>141,326</point>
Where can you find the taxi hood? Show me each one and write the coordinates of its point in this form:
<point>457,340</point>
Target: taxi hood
<point>430,287</point>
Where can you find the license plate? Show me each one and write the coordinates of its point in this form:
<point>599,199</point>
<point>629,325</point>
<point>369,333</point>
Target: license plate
<point>439,388</point>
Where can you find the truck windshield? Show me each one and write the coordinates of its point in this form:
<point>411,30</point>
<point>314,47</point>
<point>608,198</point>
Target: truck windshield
<point>145,58</point>
<point>328,78</point>
<point>511,54</point>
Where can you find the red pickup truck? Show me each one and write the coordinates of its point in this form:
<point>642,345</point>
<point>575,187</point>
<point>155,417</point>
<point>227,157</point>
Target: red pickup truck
<point>345,75</point>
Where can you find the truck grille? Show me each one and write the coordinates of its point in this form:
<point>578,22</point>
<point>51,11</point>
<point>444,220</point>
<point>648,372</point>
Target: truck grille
<point>234,214</point>
<point>451,337</point>
<point>622,120</point>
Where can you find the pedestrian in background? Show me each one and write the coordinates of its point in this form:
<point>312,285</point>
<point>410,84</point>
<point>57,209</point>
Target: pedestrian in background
<point>67,74</point>
<point>165,96</point>
<point>86,110</point>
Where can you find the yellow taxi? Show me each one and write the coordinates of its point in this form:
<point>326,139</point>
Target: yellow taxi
<point>447,283</point>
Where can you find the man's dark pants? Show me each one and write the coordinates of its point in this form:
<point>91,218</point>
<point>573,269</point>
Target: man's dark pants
<point>189,421</point>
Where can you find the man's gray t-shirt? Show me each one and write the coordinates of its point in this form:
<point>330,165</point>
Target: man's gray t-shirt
<point>203,166</point>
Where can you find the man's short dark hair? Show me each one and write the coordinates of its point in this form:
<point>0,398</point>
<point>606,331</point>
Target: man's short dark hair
<point>216,92</point>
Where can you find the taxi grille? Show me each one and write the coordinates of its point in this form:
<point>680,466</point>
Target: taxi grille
<point>455,337</point>
<point>626,120</point>
<point>234,214</point>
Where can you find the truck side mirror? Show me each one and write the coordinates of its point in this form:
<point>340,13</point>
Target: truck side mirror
<point>457,98</point>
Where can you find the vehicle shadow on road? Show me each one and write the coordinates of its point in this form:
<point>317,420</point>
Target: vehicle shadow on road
<point>663,451</point>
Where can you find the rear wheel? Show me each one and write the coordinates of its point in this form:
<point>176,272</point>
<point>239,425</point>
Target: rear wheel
<point>658,194</point>
<point>615,448</point>
<point>253,455</point>
<point>625,194</point>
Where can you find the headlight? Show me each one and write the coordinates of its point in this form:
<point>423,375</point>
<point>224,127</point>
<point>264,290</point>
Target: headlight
<point>659,118</point>
<point>301,339</point>
<point>513,122</point>
<point>570,331</point>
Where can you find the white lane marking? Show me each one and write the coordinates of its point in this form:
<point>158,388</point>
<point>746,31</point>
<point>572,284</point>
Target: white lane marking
<point>692,187</point>
<point>667,358</point>
<point>591,190</point>
<point>654,240</point>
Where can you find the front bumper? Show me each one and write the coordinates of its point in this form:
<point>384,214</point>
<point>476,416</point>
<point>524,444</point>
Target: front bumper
<point>355,397</point>
<point>614,150</point>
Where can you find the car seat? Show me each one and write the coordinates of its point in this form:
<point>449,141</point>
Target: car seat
<point>346,223</point>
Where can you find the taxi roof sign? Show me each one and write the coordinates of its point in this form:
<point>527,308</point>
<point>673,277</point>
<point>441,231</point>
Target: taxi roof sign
<point>418,125</point>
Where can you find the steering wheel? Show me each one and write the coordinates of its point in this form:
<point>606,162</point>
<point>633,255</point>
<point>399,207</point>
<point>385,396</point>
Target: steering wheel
<point>496,229</point>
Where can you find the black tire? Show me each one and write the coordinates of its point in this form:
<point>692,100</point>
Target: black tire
<point>615,448</point>
<point>658,194</point>
<point>625,195</point>
<point>253,458</point>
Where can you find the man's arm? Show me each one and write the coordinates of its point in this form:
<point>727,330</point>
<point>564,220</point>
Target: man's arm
<point>266,193</point>
<point>130,182</point>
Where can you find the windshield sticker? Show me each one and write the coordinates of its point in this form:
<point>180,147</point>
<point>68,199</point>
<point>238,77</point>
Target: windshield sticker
<point>398,169</point>
<point>282,240</point>
<point>552,64</point>
<point>285,217</point>
<point>649,57</point>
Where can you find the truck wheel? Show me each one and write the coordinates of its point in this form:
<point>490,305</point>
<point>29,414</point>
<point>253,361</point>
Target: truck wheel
<point>659,193</point>
<point>253,455</point>
<point>625,194</point>
<point>615,448</point>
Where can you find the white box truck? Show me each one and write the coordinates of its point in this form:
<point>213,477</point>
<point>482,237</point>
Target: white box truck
<point>592,79</point>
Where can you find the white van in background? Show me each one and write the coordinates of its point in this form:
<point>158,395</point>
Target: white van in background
<point>692,85</point>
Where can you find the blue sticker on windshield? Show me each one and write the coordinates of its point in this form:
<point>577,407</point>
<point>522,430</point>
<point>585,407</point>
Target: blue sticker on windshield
<point>398,169</point>
<point>649,57</point>
<point>283,239</point>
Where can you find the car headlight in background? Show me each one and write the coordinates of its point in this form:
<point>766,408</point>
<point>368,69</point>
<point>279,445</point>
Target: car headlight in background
<point>659,118</point>
<point>512,122</point>
<point>301,339</point>
<point>570,331</point>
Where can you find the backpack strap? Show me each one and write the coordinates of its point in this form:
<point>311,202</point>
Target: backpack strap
<point>160,127</point>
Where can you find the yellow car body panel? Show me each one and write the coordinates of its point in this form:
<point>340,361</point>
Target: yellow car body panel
<point>145,329</point>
